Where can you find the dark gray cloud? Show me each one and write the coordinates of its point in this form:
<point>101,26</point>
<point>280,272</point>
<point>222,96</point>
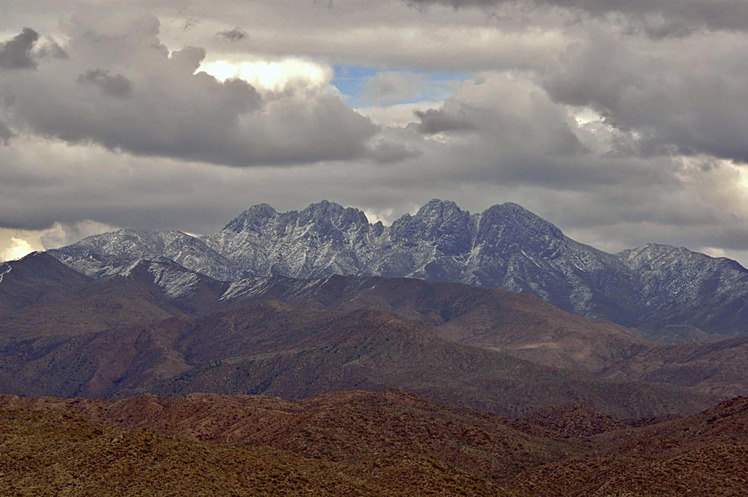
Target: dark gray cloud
<point>644,199</point>
<point>434,121</point>
<point>235,34</point>
<point>508,116</point>
<point>16,53</point>
<point>115,85</point>
<point>724,14</point>
<point>5,133</point>
<point>389,150</point>
<point>659,17</point>
<point>666,103</point>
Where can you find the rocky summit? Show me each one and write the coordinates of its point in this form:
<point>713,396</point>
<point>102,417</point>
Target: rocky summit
<point>671,293</point>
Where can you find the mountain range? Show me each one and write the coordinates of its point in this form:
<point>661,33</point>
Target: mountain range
<point>64,333</point>
<point>146,311</point>
<point>668,293</point>
<point>315,353</point>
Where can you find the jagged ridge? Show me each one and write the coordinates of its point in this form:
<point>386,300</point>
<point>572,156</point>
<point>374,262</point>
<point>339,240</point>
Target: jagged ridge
<point>506,246</point>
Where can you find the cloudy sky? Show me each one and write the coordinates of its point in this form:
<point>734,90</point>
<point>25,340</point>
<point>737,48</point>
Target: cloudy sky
<point>621,121</point>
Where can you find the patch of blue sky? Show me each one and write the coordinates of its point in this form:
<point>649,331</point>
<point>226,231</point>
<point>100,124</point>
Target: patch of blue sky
<point>355,85</point>
<point>350,80</point>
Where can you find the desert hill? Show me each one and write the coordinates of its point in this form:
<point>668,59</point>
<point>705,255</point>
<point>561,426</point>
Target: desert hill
<point>362,443</point>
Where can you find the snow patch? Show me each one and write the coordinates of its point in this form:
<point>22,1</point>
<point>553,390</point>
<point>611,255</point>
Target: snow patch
<point>245,288</point>
<point>5,269</point>
<point>174,282</point>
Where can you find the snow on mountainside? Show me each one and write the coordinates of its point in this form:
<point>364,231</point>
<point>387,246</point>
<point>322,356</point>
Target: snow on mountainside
<point>103,255</point>
<point>322,239</point>
<point>677,286</point>
<point>175,280</point>
<point>506,246</point>
<point>681,274</point>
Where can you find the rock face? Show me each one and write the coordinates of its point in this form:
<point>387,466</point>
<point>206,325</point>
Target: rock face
<point>654,287</point>
<point>106,255</point>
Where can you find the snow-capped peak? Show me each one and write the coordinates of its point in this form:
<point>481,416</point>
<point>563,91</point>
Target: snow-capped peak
<point>505,246</point>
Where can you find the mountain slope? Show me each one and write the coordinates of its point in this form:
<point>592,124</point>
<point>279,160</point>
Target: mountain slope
<point>704,454</point>
<point>295,338</point>
<point>519,324</point>
<point>35,278</point>
<point>344,427</point>
<point>701,291</point>
<point>106,255</point>
<point>276,350</point>
<point>716,368</point>
<point>55,453</point>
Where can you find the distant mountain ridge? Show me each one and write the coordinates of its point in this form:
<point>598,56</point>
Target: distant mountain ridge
<point>654,287</point>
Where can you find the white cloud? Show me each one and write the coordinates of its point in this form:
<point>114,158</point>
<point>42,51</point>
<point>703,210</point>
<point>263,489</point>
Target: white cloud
<point>398,115</point>
<point>17,248</point>
<point>272,75</point>
<point>390,87</point>
<point>17,243</point>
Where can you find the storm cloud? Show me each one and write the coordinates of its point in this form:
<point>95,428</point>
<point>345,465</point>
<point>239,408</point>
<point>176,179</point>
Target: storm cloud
<point>5,133</point>
<point>116,85</point>
<point>434,121</point>
<point>663,16</point>
<point>235,34</point>
<point>16,52</point>
<point>674,104</point>
<point>511,116</point>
